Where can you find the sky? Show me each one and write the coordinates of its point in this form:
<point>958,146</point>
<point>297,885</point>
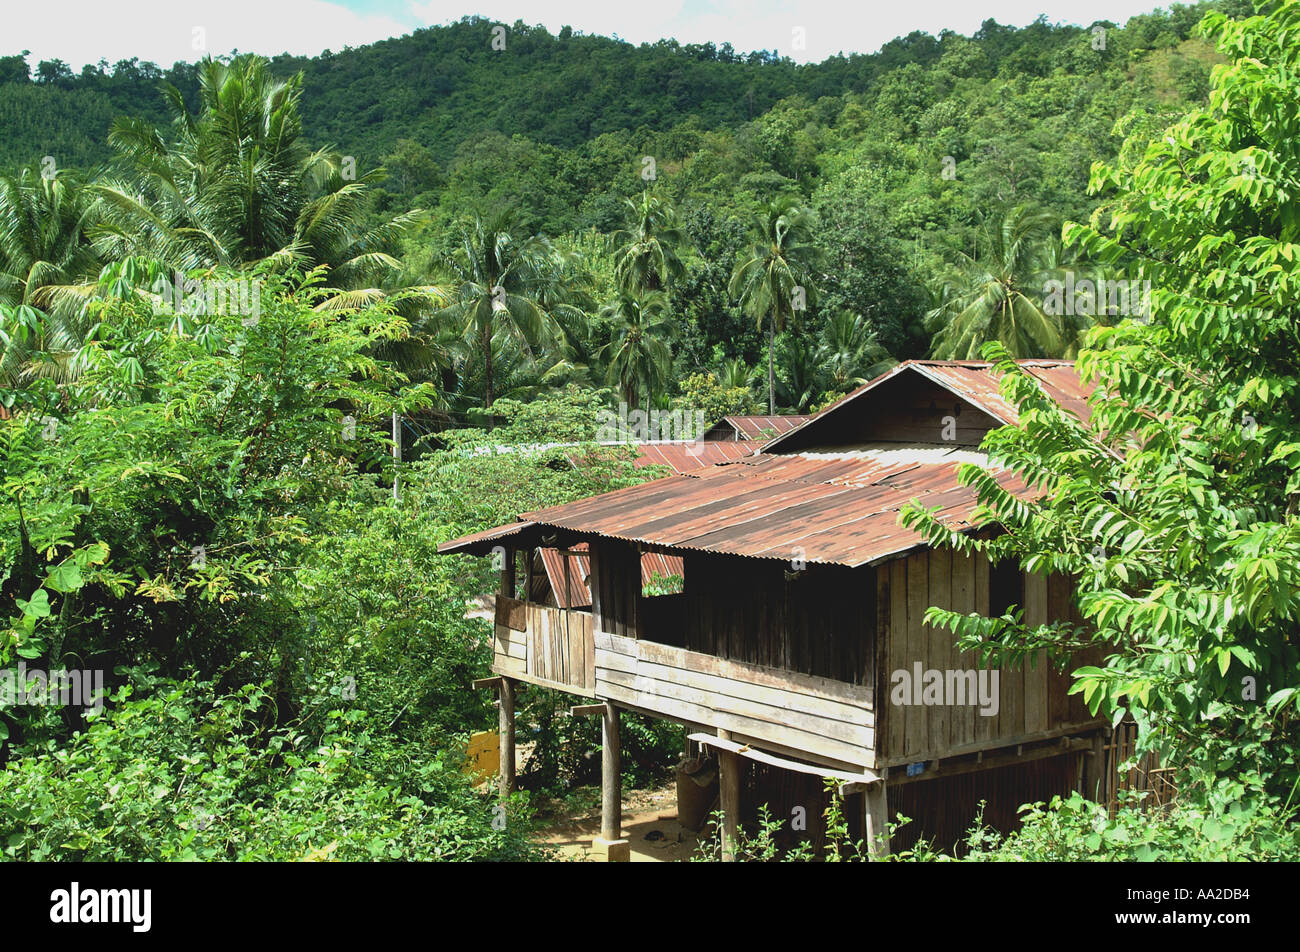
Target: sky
<point>165,31</point>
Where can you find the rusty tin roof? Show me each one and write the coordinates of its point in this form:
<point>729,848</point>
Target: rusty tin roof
<point>752,427</point>
<point>833,507</point>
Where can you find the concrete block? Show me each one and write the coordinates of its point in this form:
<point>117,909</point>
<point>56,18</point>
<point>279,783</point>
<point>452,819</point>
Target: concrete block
<point>611,851</point>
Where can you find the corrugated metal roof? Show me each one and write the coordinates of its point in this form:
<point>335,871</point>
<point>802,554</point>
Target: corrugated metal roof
<point>478,540</point>
<point>752,427</point>
<point>835,507</point>
<point>685,457</point>
<point>575,592</point>
<point>838,511</point>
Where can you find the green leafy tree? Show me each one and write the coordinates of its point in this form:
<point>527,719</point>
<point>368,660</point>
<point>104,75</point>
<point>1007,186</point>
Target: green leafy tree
<point>714,398</point>
<point>1174,506</point>
<point>200,454</point>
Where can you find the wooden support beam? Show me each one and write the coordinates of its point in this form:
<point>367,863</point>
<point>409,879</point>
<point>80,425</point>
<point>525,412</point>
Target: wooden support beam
<point>729,797</point>
<point>587,710</point>
<point>493,682</point>
<point>506,732</point>
<point>991,745</point>
<point>952,768</point>
<point>508,573</point>
<point>611,784</point>
<point>850,782</point>
<point>875,826</point>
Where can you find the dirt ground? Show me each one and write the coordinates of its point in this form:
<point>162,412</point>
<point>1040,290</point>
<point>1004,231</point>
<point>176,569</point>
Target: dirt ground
<point>649,824</point>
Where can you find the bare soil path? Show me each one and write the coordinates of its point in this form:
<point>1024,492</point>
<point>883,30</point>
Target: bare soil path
<point>649,824</point>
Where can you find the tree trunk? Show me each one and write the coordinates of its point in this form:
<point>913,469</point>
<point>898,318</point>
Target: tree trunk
<point>771,366</point>
<point>487,365</point>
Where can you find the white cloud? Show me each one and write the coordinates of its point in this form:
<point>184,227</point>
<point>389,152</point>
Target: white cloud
<point>84,31</point>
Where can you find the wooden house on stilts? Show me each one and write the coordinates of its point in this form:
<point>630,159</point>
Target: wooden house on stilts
<point>797,642</point>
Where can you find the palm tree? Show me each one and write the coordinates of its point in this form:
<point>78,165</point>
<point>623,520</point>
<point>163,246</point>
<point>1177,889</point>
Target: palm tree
<point>849,354</point>
<point>734,374</point>
<point>778,264</point>
<point>640,360</point>
<point>844,355</point>
<point>646,250</point>
<point>238,184</point>
<point>498,285</point>
<point>802,383</point>
<point>998,292</point>
<point>44,246</point>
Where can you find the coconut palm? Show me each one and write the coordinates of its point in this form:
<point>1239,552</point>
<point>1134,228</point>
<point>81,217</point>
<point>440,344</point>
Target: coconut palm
<point>848,353</point>
<point>997,293</point>
<point>735,374</point>
<point>638,354</point>
<point>499,283</point>
<point>844,355</point>
<point>802,383</point>
<point>44,246</point>
<point>236,183</point>
<point>776,267</point>
<point>646,251</point>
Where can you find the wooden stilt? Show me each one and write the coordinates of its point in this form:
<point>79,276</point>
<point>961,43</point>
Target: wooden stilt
<point>611,783</point>
<point>876,819</point>
<point>506,732</point>
<point>729,767</point>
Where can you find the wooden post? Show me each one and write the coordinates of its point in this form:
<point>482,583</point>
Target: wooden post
<point>1094,770</point>
<point>506,730</point>
<point>508,573</point>
<point>729,795</point>
<point>611,781</point>
<point>875,827</point>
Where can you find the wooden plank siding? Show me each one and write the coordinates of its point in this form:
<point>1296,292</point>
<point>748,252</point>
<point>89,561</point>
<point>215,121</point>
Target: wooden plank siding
<point>616,587</point>
<point>1033,702</point>
<point>908,409</point>
<point>814,716</point>
<point>820,621</point>
<point>555,649</point>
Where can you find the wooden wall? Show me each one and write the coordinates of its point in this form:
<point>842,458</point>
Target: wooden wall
<point>819,622</point>
<point>943,809</point>
<point>907,409</point>
<point>1033,700</point>
<point>544,645</point>
<point>616,587</point>
<point>791,713</point>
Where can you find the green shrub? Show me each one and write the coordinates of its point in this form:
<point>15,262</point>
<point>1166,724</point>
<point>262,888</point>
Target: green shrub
<point>184,774</point>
